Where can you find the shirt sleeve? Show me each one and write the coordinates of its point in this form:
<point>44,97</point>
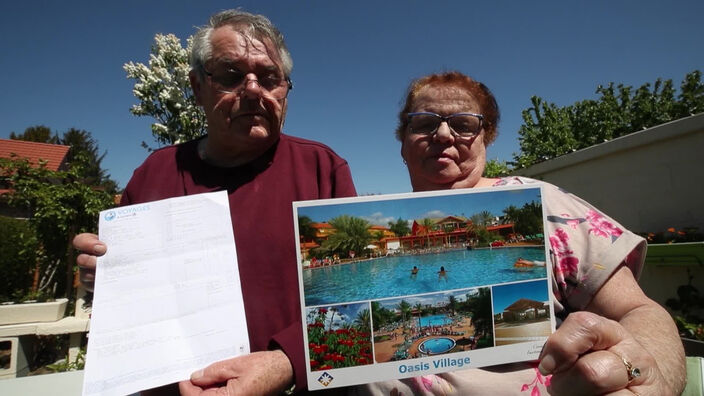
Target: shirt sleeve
<point>343,186</point>
<point>290,340</point>
<point>586,247</point>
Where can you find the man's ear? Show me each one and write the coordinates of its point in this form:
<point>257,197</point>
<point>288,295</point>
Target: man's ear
<point>196,86</point>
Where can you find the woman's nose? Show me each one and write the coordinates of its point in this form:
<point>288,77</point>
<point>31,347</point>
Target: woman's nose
<point>444,133</point>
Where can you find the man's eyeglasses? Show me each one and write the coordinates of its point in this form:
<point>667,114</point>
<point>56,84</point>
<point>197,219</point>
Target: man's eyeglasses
<point>234,81</point>
<point>465,125</point>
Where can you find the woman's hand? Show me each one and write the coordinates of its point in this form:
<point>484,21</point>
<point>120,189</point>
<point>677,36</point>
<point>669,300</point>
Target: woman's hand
<point>596,351</point>
<point>590,354</point>
<point>90,247</point>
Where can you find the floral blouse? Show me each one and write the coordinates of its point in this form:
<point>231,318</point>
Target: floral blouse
<point>586,247</point>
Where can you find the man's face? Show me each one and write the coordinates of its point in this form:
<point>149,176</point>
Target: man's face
<point>249,118</point>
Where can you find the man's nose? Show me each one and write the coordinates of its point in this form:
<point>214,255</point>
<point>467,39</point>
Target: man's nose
<point>251,88</point>
<point>444,133</point>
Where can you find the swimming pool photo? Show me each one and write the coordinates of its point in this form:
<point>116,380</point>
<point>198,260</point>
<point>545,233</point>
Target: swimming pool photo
<point>392,276</point>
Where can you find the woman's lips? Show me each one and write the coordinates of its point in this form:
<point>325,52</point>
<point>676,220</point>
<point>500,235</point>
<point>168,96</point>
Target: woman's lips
<point>442,158</point>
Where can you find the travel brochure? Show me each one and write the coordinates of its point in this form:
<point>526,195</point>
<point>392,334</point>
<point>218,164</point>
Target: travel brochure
<point>403,285</point>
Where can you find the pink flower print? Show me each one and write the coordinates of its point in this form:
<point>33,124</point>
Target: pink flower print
<point>427,382</point>
<point>533,385</point>
<point>566,263</point>
<point>566,218</point>
<point>601,227</point>
<point>558,241</point>
<point>562,235</point>
<point>569,264</point>
<point>432,383</point>
<point>573,223</point>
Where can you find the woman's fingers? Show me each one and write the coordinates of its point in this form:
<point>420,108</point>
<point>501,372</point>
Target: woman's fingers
<point>581,332</point>
<point>590,354</point>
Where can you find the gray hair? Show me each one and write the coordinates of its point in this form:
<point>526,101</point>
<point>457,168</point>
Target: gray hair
<point>251,25</point>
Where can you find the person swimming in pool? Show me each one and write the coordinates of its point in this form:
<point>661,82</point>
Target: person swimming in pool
<point>414,271</point>
<point>442,273</point>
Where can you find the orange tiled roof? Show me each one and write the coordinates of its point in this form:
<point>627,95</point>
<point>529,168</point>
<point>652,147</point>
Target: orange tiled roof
<point>499,227</point>
<point>321,225</point>
<point>309,245</point>
<point>54,154</point>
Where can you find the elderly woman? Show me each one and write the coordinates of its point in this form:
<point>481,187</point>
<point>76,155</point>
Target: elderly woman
<point>611,338</point>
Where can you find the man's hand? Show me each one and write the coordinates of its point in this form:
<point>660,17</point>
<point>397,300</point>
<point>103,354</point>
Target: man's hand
<point>259,373</point>
<point>90,248</point>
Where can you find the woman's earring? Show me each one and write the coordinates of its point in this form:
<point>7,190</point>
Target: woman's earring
<point>404,162</point>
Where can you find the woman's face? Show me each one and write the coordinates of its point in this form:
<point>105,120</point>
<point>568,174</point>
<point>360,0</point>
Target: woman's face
<point>444,160</point>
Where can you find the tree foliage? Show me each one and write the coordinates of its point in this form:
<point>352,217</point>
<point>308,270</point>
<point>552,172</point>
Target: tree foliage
<point>549,131</point>
<point>480,306</point>
<point>527,220</point>
<point>351,234</point>
<point>496,168</point>
<point>400,227</point>
<point>18,247</point>
<point>305,229</point>
<point>83,155</point>
<point>61,205</point>
<point>164,92</point>
<point>38,133</point>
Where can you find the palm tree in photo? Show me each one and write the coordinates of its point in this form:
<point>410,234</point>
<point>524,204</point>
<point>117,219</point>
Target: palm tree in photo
<point>405,308</point>
<point>452,304</point>
<point>483,218</point>
<point>511,214</point>
<point>419,308</point>
<point>427,225</point>
<point>480,305</point>
<point>332,311</point>
<point>363,320</point>
<point>351,234</point>
<point>305,229</point>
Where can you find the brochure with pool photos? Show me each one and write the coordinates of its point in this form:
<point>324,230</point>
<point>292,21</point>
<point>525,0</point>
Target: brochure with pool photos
<point>404,285</point>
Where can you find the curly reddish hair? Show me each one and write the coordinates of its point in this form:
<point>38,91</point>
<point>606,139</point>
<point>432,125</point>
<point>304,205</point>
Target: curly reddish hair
<point>479,91</point>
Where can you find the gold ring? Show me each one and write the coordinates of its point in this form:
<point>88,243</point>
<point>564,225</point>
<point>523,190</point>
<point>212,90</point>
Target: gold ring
<point>633,372</point>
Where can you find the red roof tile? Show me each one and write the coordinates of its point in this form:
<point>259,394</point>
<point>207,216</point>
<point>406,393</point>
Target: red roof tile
<point>499,227</point>
<point>54,154</point>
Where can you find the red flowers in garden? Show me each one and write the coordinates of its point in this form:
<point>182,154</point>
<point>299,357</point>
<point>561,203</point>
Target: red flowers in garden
<point>342,347</point>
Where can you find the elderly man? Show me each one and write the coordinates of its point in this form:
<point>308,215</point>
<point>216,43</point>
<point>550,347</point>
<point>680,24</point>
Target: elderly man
<point>240,76</point>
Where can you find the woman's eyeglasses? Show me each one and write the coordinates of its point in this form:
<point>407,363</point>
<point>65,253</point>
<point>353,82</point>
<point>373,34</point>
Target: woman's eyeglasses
<point>462,124</point>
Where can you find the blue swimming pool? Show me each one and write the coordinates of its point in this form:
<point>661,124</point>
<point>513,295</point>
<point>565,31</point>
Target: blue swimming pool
<point>391,276</point>
<point>437,345</point>
<point>434,320</point>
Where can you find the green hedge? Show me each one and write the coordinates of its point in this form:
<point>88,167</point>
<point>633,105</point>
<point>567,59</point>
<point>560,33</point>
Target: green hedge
<point>18,247</point>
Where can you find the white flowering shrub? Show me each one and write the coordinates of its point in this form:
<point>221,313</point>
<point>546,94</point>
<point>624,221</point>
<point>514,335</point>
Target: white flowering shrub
<point>164,92</point>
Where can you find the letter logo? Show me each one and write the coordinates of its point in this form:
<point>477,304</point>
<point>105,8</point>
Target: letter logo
<point>325,379</point>
<point>109,215</point>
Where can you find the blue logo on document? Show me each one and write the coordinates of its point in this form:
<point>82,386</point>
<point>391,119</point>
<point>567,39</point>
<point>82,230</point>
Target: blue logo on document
<point>109,215</point>
<point>325,379</point>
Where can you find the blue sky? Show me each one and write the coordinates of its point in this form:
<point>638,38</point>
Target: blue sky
<point>506,295</point>
<point>345,314</point>
<point>381,212</point>
<point>62,64</point>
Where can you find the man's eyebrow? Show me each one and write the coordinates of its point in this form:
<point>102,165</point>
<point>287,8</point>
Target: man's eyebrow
<point>271,68</point>
<point>224,61</point>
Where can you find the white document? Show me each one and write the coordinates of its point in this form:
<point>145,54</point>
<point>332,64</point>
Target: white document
<point>167,297</point>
